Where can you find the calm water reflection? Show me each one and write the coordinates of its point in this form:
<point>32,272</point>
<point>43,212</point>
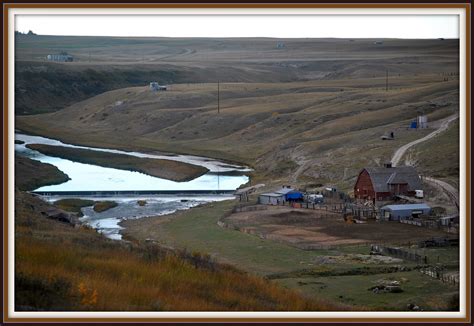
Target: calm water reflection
<point>87,177</point>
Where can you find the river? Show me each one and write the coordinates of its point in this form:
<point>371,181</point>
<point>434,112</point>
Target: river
<point>88,177</point>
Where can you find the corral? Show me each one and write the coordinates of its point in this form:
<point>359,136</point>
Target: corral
<point>316,229</point>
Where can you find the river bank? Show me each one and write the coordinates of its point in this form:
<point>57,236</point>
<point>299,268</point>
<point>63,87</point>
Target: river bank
<point>31,174</point>
<point>165,169</point>
<point>129,190</point>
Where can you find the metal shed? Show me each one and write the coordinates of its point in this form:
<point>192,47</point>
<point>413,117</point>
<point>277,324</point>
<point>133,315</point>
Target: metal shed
<point>397,212</point>
<point>277,197</point>
<point>271,198</point>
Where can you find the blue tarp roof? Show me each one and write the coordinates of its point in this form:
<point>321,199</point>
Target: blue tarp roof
<point>294,195</point>
<point>403,207</point>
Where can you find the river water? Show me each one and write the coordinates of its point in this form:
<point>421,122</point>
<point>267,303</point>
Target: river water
<point>88,177</point>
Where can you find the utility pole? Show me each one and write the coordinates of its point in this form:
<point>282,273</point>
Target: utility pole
<point>218,97</point>
<point>386,81</point>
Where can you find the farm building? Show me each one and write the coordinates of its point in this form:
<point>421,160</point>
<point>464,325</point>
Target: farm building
<point>281,196</point>
<point>154,86</point>
<point>383,183</point>
<point>315,198</point>
<point>397,212</point>
<point>63,57</point>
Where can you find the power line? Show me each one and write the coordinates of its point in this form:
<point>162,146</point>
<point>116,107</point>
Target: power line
<point>218,97</point>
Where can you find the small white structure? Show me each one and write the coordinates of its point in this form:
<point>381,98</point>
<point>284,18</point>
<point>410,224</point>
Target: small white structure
<point>419,193</point>
<point>422,121</point>
<point>154,86</point>
<point>63,57</point>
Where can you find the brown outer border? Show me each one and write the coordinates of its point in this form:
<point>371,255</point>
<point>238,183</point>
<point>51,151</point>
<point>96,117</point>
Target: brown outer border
<point>465,6</point>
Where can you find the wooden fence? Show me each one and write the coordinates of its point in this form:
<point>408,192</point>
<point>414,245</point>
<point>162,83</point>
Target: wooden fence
<point>430,224</point>
<point>400,253</point>
<point>441,275</point>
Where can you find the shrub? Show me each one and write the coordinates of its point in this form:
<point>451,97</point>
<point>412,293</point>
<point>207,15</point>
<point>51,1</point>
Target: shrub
<point>102,206</point>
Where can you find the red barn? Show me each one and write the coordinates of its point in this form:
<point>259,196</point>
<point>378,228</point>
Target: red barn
<point>382,183</point>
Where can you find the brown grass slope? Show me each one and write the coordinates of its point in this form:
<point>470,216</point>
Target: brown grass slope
<point>276,127</point>
<point>58,267</point>
<point>443,157</point>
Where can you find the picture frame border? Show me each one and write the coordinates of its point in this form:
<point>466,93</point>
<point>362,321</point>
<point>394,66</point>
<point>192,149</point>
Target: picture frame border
<point>7,143</point>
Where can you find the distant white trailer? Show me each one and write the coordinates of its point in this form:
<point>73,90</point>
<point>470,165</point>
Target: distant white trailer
<point>154,86</point>
<point>419,193</point>
<point>64,57</point>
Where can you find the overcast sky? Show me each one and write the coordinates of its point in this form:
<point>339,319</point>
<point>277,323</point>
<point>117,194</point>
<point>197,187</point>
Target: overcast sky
<point>285,26</point>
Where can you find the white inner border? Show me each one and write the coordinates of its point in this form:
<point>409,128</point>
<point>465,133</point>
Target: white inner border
<point>219,11</point>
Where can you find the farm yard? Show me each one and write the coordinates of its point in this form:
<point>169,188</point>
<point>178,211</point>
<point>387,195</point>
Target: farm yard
<point>309,229</point>
<point>340,263</point>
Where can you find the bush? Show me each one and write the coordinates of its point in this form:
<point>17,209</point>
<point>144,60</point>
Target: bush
<point>33,293</point>
<point>102,206</point>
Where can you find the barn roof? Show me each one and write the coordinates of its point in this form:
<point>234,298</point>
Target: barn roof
<point>284,191</point>
<point>382,176</point>
<point>272,194</point>
<point>406,207</point>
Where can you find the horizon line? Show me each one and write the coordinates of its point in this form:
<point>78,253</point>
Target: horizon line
<point>249,37</point>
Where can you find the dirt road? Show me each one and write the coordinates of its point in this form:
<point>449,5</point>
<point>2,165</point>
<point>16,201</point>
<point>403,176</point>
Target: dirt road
<point>452,192</point>
<point>447,188</point>
<point>397,156</point>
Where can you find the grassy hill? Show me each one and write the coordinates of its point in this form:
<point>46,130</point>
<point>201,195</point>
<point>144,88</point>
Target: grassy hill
<point>312,112</point>
<point>320,126</point>
<point>107,63</point>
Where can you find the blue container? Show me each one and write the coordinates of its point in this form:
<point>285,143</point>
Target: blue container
<point>413,125</point>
